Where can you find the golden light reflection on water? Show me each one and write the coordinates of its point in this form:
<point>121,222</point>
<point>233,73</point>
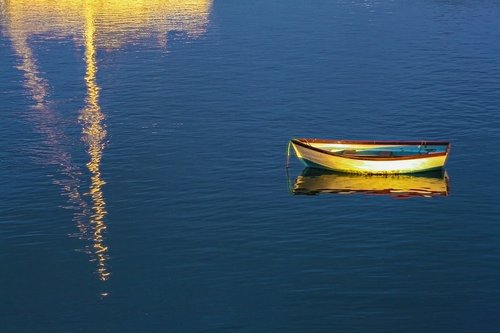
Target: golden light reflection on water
<point>117,22</point>
<point>91,24</point>
<point>93,134</point>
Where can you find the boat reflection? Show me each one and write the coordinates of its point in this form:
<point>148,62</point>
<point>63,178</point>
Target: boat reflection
<point>316,181</point>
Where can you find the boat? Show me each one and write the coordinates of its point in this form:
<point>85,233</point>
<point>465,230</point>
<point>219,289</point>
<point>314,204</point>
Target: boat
<point>371,157</point>
<point>425,184</point>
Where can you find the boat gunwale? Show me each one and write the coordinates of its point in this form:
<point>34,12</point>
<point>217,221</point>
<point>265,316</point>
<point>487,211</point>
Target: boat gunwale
<point>304,143</point>
<point>375,142</point>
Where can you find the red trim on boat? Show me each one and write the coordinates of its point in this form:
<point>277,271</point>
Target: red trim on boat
<point>377,142</point>
<point>373,158</point>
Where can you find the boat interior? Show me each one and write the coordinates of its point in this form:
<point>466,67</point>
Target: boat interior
<point>379,149</point>
<point>396,151</point>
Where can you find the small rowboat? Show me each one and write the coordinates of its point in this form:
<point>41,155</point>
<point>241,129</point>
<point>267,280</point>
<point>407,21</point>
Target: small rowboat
<point>372,157</point>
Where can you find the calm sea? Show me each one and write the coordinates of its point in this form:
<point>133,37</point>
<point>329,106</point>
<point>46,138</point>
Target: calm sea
<point>143,182</point>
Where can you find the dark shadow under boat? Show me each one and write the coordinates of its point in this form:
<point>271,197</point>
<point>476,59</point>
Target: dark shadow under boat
<point>317,181</point>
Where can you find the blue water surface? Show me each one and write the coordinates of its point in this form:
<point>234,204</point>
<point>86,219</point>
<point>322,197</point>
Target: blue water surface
<point>143,183</point>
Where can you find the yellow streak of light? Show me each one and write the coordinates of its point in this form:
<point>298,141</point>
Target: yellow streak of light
<point>93,134</point>
<point>44,119</point>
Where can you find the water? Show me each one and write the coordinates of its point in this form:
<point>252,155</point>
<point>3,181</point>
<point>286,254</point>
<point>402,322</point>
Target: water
<point>143,182</point>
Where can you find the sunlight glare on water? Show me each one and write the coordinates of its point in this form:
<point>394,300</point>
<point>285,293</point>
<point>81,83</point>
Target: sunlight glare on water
<point>92,25</point>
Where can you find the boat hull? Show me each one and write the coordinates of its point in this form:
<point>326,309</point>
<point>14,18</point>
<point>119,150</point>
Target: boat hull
<point>318,158</point>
